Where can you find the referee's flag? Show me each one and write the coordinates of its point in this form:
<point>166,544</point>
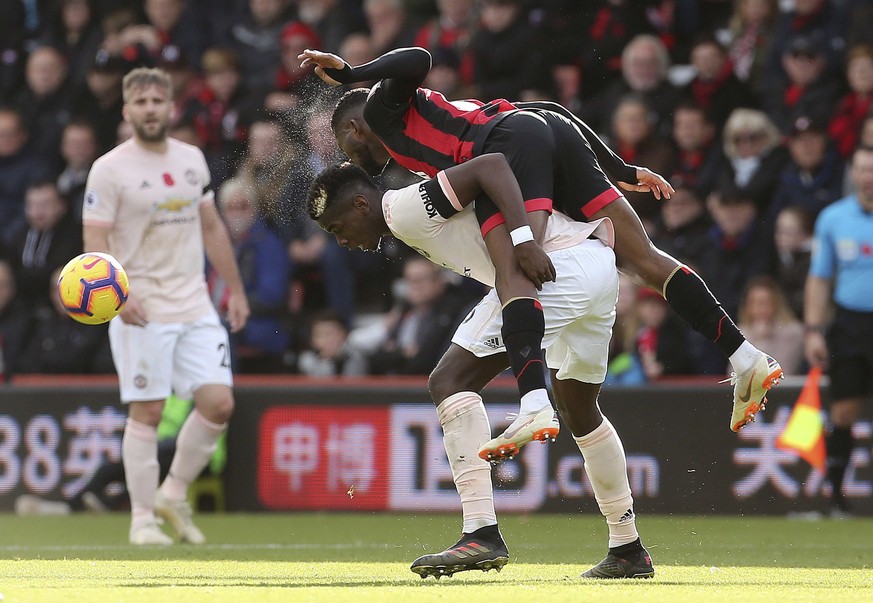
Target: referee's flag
<point>804,432</point>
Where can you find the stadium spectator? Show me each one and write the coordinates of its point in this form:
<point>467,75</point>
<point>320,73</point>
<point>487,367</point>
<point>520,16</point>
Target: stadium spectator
<point>79,149</point>
<point>100,101</point>
<point>749,34</point>
<point>187,85</point>
<point>714,86</point>
<point>15,322</point>
<point>264,267</point>
<point>738,247</point>
<point>445,75</point>
<point>767,321</point>
<point>44,102</point>
<point>813,176</point>
<point>419,329</point>
<point>698,153</point>
<point>331,20</point>
<point>754,156</point>
<point>866,139</point>
<point>645,63</point>
<point>329,353</point>
<point>168,334</point>
<point>821,21</point>
<point>225,109</point>
<point>624,366</point>
<point>57,344</point>
<point>637,142</point>
<point>683,226</point>
<point>358,45</point>
<point>256,36</point>
<point>792,240</point>
<point>452,28</point>
<point>174,23</point>
<point>388,25</point>
<point>269,163</point>
<point>662,341</point>
<point>73,28</point>
<point>505,59</point>
<point>853,108</point>
<point>47,239</point>
<point>808,88</point>
<point>838,286</point>
<point>11,48</point>
<point>295,87</point>
<point>19,168</point>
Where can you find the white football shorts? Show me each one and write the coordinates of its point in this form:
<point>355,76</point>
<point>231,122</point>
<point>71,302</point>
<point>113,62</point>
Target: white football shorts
<point>163,358</point>
<point>579,310</point>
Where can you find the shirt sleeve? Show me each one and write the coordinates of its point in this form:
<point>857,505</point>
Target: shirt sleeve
<point>102,196</point>
<point>410,214</point>
<point>823,262</point>
<point>208,196</point>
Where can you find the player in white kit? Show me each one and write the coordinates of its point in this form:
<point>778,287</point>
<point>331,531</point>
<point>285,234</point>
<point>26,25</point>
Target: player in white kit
<point>148,203</point>
<point>436,219</point>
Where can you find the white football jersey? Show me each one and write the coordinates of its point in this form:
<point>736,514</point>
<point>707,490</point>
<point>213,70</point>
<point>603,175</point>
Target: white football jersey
<point>456,242</point>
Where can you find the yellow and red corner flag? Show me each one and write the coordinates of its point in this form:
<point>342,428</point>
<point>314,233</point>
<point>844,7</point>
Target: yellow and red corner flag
<point>804,432</point>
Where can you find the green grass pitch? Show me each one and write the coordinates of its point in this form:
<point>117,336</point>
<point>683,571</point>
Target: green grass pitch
<point>365,557</point>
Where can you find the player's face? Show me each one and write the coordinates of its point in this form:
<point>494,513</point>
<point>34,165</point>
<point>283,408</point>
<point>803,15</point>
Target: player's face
<point>362,147</point>
<point>147,110</point>
<point>349,222</point>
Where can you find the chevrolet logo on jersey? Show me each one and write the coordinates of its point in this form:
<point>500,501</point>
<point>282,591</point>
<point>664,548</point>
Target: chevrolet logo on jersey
<point>174,204</point>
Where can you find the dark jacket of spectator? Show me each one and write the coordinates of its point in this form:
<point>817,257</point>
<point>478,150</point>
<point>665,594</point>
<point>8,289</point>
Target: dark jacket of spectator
<point>812,191</point>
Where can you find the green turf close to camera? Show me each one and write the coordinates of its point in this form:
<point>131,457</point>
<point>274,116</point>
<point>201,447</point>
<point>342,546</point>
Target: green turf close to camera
<point>366,557</point>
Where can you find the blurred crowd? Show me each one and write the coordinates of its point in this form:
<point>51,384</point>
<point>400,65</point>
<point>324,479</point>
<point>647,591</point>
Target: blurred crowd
<point>749,107</point>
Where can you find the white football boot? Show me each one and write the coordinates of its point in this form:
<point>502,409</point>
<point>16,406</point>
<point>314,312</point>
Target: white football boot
<point>750,389</point>
<point>179,515</point>
<point>541,426</point>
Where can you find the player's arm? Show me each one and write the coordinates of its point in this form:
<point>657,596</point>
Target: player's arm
<point>219,250</point>
<point>629,177</point>
<point>401,71</point>
<point>816,305</point>
<point>491,175</point>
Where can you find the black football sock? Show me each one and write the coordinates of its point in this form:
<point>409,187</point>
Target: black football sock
<point>487,533</point>
<point>691,299</point>
<point>839,444</point>
<point>523,327</point>
<point>630,548</point>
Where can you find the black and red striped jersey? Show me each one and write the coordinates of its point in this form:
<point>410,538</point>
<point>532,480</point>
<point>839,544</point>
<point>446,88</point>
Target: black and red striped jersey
<point>431,133</point>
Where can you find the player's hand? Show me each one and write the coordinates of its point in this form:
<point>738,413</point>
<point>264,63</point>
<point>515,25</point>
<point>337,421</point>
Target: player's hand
<point>649,182</point>
<point>133,313</point>
<point>322,60</point>
<point>815,348</point>
<point>535,263</point>
<point>237,311</point>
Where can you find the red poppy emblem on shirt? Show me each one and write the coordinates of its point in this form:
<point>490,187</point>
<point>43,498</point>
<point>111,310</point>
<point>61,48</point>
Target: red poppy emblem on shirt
<point>168,179</point>
<point>866,249</point>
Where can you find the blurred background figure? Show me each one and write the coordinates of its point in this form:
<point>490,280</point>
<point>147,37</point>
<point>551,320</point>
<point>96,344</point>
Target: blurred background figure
<point>856,105</point>
<point>419,328</point>
<point>624,366</point>
<point>697,153</point>
<point>683,227</point>
<point>329,353</point>
<point>715,88</point>
<point>662,340</point>
<point>45,241</point>
<point>388,25</point>
<point>453,28</point>
<point>79,149</point>
<point>264,267</point>
<point>99,100</point>
<point>15,318</point>
<point>255,38</point>
<point>793,243</point>
<point>748,36</point>
<point>73,28</point>
<point>767,321</point>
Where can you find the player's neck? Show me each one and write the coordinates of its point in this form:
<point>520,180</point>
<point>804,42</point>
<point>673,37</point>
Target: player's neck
<point>152,146</point>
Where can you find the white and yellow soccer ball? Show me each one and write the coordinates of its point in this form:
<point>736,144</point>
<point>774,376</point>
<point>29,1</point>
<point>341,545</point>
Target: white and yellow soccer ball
<point>93,288</point>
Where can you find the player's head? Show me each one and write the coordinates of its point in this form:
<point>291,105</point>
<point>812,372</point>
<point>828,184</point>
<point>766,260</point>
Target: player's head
<point>354,136</point>
<point>148,103</point>
<point>345,202</point>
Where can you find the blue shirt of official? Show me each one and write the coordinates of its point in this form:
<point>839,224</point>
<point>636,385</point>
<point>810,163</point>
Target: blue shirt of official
<point>843,251</point>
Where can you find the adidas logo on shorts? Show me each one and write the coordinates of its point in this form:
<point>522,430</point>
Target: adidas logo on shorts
<point>492,343</point>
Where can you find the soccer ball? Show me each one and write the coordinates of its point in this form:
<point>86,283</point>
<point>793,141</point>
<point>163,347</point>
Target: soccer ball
<point>93,288</point>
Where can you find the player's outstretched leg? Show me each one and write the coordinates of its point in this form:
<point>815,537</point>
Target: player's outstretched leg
<point>540,426</point>
<point>483,550</point>
<point>626,561</point>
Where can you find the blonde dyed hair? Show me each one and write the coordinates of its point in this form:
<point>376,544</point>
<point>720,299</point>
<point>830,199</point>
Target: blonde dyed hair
<point>750,121</point>
<point>143,77</point>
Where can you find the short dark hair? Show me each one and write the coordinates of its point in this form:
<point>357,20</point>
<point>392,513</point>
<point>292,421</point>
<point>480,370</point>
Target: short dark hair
<point>349,102</point>
<point>330,185</point>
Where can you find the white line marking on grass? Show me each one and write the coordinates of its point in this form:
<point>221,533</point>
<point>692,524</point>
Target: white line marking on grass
<point>215,547</point>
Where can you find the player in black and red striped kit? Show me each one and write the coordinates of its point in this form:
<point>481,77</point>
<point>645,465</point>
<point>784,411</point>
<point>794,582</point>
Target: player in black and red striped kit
<point>556,158</point>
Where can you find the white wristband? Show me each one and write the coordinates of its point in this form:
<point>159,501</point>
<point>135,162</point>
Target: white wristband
<point>520,235</point>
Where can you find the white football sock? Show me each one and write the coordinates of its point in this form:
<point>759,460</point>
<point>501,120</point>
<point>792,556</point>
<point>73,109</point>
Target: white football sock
<point>194,446</point>
<point>606,467</point>
<point>744,358</point>
<point>465,428</point>
<point>139,454</point>
<point>534,401</point>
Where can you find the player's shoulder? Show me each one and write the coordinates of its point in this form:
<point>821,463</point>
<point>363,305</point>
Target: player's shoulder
<point>184,148</point>
<point>839,210</point>
<point>114,154</point>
